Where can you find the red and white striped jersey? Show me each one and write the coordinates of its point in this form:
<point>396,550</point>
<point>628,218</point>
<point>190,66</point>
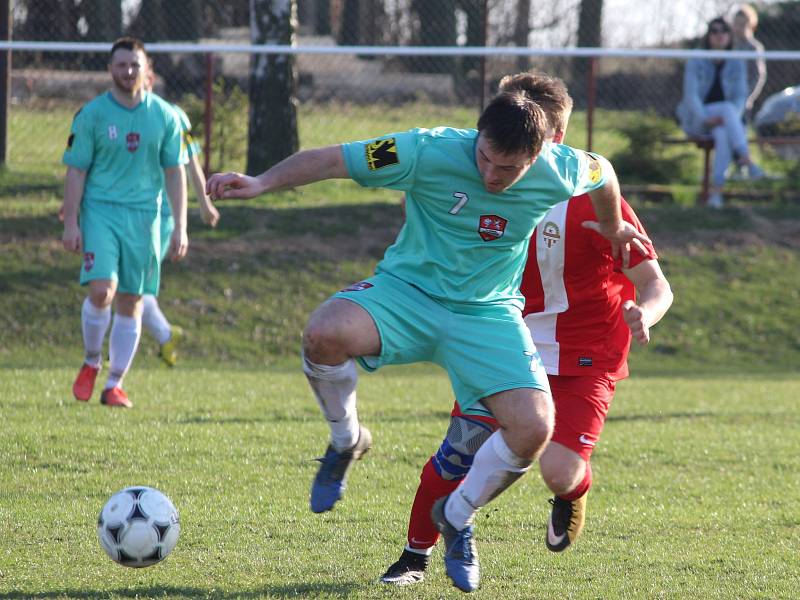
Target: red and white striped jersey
<point>574,291</point>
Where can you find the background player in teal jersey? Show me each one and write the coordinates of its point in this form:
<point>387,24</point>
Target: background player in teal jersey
<point>447,290</point>
<point>168,335</point>
<point>124,148</point>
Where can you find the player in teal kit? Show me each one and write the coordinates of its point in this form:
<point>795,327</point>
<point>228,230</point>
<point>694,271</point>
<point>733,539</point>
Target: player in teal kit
<point>124,148</point>
<point>447,291</point>
<point>153,319</point>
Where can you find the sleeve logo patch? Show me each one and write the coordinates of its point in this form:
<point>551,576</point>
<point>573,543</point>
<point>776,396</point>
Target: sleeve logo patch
<point>595,170</point>
<point>382,153</point>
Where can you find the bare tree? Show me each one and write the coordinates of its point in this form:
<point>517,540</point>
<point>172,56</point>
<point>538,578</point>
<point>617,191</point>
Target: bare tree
<point>272,131</point>
<point>521,30</point>
<point>590,35</point>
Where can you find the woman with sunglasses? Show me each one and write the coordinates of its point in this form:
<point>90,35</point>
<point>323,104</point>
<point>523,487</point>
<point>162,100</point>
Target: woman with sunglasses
<point>714,97</point>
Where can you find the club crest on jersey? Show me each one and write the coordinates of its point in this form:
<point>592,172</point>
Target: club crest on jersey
<point>112,132</point>
<point>551,234</point>
<point>358,287</point>
<point>132,141</point>
<point>88,261</point>
<point>491,227</point>
<point>382,153</point>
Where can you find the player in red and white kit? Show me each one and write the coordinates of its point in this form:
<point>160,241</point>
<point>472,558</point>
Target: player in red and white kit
<point>582,310</point>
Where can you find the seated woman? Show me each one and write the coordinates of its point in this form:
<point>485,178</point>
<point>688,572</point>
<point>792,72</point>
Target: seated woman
<point>714,96</point>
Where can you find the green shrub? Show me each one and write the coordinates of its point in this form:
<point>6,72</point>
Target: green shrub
<point>647,159</point>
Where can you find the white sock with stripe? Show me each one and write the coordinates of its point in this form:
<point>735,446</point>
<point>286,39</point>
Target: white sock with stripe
<point>122,345</point>
<point>494,468</point>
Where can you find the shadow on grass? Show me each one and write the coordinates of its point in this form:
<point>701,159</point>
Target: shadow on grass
<point>301,590</point>
<point>663,417</point>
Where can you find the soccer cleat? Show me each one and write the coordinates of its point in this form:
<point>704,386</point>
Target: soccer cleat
<point>460,553</point>
<point>566,522</point>
<point>755,173</point>
<point>410,568</point>
<point>115,397</point>
<point>84,383</point>
<point>331,479</point>
<point>168,352</point>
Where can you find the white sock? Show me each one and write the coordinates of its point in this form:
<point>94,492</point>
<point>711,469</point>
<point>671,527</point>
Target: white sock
<point>334,388</point>
<point>154,320</point>
<point>124,340</point>
<point>494,468</point>
<point>94,324</point>
<point>422,551</point>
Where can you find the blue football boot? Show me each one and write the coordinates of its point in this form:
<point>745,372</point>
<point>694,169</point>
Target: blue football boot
<point>460,553</point>
<point>331,479</point>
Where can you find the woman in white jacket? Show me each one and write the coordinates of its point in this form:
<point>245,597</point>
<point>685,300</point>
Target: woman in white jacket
<point>714,97</point>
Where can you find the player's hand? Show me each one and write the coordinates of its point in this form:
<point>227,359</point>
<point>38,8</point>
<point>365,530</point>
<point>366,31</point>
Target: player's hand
<point>208,213</point>
<point>178,245</point>
<point>61,213</point>
<point>71,240</point>
<point>233,185</point>
<point>635,318</point>
<point>622,239</point>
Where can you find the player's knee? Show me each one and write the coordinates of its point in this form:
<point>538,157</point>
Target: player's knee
<point>101,294</point>
<point>457,452</point>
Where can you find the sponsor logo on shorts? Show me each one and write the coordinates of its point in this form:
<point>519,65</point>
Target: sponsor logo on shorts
<point>88,261</point>
<point>584,361</point>
<point>382,153</point>
<point>491,227</point>
<point>551,234</point>
<point>112,132</point>
<point>132,141</point>
<point>586,441</point>
<point>358,287</point>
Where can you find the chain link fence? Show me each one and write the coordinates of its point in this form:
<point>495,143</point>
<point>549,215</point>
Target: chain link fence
<point>341,97</point>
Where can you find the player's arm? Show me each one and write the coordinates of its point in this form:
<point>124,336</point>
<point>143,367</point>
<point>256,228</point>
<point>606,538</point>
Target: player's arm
<point>73,193</point>
<point>175,180</point>
<point>654,297</point>
<point>606,201</point>
<point>208,212</point>
<point>302,168</point>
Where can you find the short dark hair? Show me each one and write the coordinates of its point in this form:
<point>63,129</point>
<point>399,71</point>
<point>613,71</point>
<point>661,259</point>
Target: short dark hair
<point>721,21</point>
<point>548,92</point>
<point>512,122</point>
<point>126,43</point>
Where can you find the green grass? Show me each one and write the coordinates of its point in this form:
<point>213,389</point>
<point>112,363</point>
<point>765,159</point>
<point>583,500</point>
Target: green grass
<point>695,492</point>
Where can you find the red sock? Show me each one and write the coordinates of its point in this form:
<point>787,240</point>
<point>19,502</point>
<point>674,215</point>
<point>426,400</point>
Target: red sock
<point>582,487</point>
<point>422,533</point>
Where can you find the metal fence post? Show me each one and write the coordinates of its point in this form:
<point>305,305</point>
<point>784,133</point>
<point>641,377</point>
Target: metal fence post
<point>5,78</point>
<point>591,99</point>
<point>208,115</point>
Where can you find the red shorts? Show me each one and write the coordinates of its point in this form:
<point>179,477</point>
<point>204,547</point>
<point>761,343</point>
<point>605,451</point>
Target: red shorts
<point>581,403</point>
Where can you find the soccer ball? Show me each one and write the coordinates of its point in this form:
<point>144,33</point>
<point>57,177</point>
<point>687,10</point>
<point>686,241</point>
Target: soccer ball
<point>138,526</point>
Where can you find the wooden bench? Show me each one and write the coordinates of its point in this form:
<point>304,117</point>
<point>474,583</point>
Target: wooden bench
<point>706,144</point>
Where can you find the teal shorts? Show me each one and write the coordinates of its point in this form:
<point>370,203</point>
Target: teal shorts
<point>121,244</point>
<point>484,349</point>
<point>167,227</point>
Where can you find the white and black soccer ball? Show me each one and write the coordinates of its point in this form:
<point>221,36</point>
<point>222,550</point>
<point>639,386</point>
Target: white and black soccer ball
<point>138,526</point>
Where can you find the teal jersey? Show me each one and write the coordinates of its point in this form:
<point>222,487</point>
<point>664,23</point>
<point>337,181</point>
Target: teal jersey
<point>461,244</point>
<point>188,145</point>
<point>124,151</point>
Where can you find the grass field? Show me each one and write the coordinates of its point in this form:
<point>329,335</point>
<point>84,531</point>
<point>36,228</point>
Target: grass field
<point>696,492</point>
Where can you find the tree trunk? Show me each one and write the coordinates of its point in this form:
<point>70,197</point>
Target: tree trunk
<point>184,19</point>
<point>521,30</point>
<point>272,132</point>
<point>437,27</point>
<point>590,35</point>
